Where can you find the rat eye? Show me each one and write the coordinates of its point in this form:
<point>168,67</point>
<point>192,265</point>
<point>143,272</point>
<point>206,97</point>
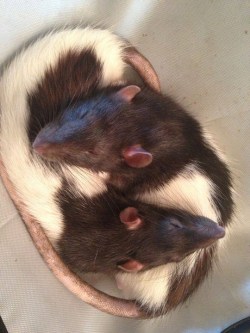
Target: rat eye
<point>131,254</point>
<point>175,223</point>
<point>82,113</point>
<point>91,152</point>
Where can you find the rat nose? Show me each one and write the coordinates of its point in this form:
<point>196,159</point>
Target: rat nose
<point>209,234</point>
<point>40,147</point>
<point>220,232</point>
<point>208,228</point>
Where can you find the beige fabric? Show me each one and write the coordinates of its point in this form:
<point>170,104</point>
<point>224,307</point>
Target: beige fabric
<point>201,52</point>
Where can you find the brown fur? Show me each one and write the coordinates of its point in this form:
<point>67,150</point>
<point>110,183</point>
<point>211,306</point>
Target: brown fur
<point>54,93</point>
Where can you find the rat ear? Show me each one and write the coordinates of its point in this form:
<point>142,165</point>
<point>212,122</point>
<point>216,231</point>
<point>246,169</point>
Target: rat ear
<point>130,217</point>
<point>128,93</point>
<point>131,266</point>
<point>137,157</point>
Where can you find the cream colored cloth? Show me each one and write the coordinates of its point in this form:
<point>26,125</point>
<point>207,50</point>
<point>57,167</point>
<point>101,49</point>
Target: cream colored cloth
<point>201,50</point>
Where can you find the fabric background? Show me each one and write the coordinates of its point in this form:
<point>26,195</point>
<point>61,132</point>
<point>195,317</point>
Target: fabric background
<point>201,50</point>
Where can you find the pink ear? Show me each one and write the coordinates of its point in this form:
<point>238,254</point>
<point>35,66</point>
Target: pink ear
<point>128,93</point>
<point>136,157</point>
<point>131,266</point>
<point>129,216</point>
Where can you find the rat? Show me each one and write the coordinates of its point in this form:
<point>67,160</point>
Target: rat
<point>55,88</point>
<point>106,235</point>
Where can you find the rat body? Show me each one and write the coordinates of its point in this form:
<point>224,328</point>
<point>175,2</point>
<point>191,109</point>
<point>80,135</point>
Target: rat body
<point>35,94</point>
<point>105,235</point>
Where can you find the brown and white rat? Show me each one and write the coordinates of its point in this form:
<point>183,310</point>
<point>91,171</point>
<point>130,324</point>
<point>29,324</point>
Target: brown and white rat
<point>50,91</point>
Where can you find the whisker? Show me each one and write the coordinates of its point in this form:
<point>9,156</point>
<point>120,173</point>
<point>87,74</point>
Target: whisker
<point>96,257</point>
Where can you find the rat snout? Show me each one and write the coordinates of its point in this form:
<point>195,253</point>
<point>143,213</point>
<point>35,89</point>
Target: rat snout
<point>219,232</point>
<point>206,231</point>
<point>41,148</point>
<point>45,134</point>
<point>208,228</point>
<point>211,235</point>
<point>41,144</point>
<point>186,234</point>
<point>50,138</point>
<point>48,142</point>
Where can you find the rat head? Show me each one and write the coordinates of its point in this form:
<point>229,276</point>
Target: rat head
<point>167,239</point>
<point>114,237</point>
<point>122,131</point>
<point>96,134</point>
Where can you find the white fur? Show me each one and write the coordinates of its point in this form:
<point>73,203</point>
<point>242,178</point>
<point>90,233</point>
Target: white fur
<point>36,184</point>
<point>84,181</point>
<point>190,190</point>
<point>150,287</point>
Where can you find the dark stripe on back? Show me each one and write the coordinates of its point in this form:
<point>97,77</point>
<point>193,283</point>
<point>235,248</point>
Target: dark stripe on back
<point>220,175</point>
<point>75,77</point>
